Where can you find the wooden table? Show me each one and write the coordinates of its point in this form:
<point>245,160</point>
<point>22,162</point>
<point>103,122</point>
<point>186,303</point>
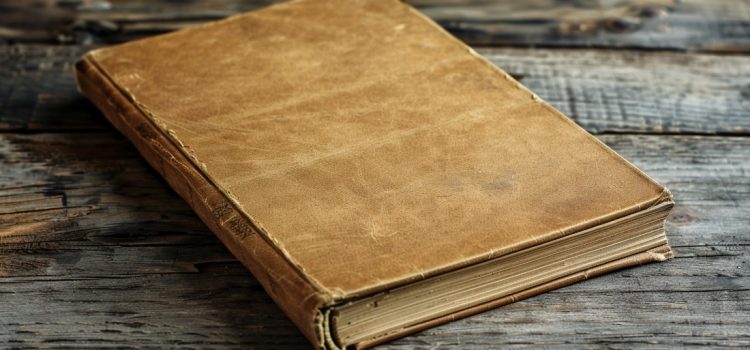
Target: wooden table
<point>97,252</point>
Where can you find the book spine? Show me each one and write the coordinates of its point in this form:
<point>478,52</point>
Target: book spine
<point>286,285</point>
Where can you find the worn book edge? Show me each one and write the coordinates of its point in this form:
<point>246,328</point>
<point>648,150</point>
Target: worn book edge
<point>660,253</point>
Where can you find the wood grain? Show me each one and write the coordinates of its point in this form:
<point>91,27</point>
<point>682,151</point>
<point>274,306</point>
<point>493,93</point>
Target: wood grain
<point>635,91</point>
<point>603,90</point>
<point>38,92</point>
<point>97,252</point>
<point>705,25</point>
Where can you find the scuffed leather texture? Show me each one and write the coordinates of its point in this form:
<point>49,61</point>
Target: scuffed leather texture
<point>362,146</point>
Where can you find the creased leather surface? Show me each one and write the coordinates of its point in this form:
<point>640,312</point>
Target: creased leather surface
<point>364,146</point>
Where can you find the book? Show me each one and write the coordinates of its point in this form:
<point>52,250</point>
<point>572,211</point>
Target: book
<point>376,175</point>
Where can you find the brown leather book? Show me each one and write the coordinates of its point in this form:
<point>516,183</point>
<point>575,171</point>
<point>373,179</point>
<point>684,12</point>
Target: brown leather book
<point>375,174</point>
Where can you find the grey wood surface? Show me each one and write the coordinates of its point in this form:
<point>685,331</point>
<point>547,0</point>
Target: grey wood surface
<point>97,252</point>
<point>685,25</point>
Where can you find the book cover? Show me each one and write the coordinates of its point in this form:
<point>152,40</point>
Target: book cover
<point>348,150</point>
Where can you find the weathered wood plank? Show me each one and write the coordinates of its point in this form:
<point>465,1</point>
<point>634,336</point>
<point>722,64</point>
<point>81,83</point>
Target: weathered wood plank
<point>632,91</point>
<point>97,252</point>
<point>603,90</point>
<point>38,92</point>
<point>713,26</point>
<point>706,25</point>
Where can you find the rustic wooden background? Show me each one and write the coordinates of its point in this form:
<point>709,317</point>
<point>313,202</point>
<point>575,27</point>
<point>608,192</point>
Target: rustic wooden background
<point>97,252</point>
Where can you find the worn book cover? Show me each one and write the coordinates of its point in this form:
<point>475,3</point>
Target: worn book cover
<point>375,174</point>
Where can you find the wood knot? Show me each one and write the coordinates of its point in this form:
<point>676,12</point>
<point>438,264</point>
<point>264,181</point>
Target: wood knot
<point>681,216</point>
<point>622,25</point>
<point>653,12</point>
